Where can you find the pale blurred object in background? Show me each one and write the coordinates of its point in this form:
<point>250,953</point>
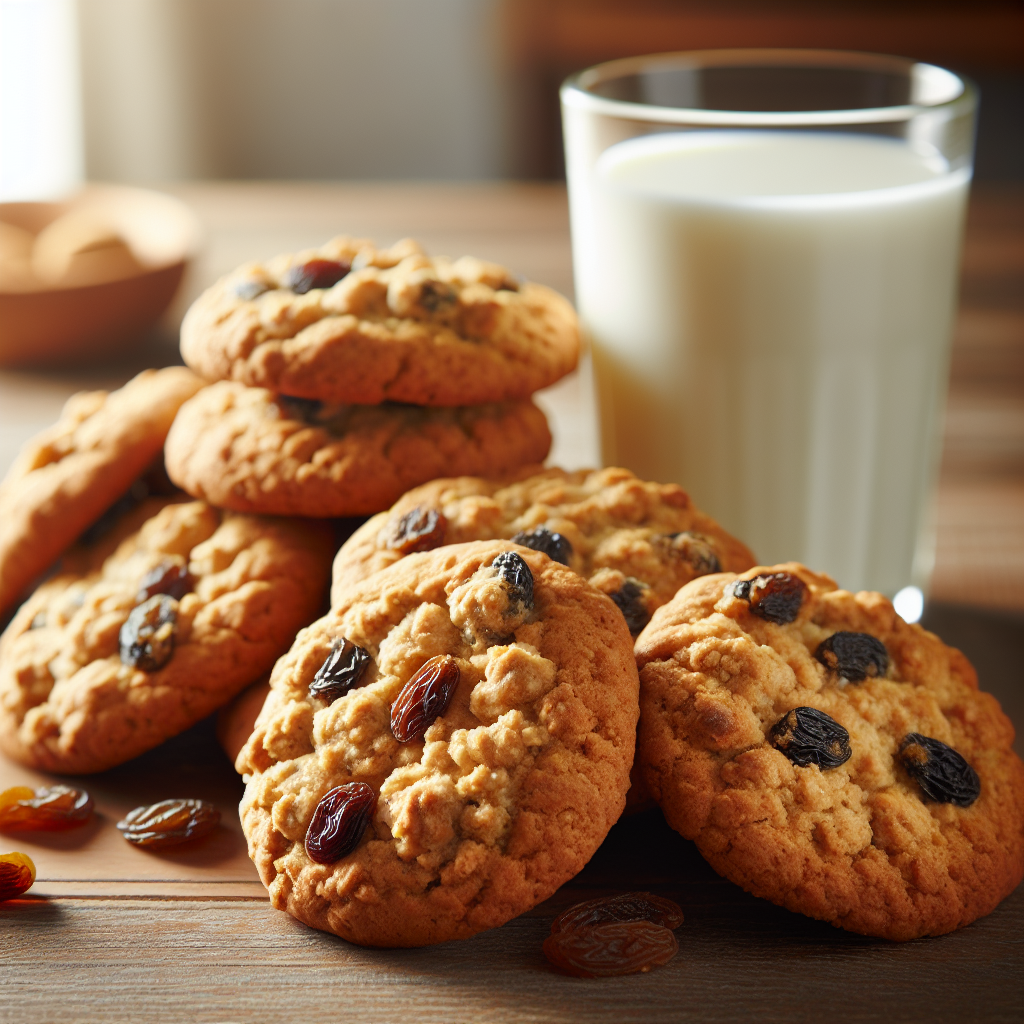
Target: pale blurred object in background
<point>41,152</point>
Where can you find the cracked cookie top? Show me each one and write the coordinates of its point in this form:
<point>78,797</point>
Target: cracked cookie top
<point>639,542</point>
<point>828,756</point>
<point>352,323</point>
<point>151,628</point>
<point>512,685</point>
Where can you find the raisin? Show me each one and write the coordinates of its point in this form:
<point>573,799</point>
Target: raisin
<point>943,774</point>
<point>424,698</point>
<point>304,277</point>
<point>17,873</point>
<point>854,656</point>
<point>422,529</point>
<point>631,599</point>
<point>50,809</point>
<point>437,297</point>
<point>627,906</point>
<point>614,948</point>
<point>168,823</point>
<point>304,409</point>
<point>339,821</point>
<point>168,578</point>
<point>695,550</point>
<point>249,288</point>
<point>809,736</point>
<point>341,671</point>
<point>147,636</point>
<point>554,545</point>
<point>517,579</point>
<point>775,596</point>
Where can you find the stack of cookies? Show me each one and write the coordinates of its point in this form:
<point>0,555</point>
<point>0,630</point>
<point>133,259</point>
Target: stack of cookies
<point>348,374</point>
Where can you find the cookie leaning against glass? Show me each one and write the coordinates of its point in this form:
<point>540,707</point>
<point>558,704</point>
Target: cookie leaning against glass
<point>444,749</point>
<point>150,628</point>
<point>828,756</point>
<point>351,323</point>
<point>639,542</point>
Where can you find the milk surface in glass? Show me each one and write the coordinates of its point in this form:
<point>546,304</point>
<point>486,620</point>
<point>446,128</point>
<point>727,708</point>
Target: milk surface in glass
<point>770,315</point>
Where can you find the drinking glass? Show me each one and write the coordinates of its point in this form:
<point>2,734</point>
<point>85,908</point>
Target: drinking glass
<point>765,248</point>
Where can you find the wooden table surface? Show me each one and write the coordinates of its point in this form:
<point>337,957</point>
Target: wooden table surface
<point>109,932</point>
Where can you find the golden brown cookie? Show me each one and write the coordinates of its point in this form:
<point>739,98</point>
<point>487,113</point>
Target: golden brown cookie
<point>826,755</point>
<point>67,476</point>
<point>249,450</point>
<point>352,323</point>
<point>152,628</point>
<point>477,705</point>
<point>638,542</point>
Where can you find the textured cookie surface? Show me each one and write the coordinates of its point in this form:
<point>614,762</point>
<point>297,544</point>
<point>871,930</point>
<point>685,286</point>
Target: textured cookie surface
<point>382,325</point>
<point>635,540</point>
<point>236,590</point>
<point>509,792</point>
<point>246,449</point>
<point>860,845</point>
<point>67,476</point>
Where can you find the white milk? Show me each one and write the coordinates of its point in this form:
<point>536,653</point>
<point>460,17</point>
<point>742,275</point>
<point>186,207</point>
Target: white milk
<point>771,316</point>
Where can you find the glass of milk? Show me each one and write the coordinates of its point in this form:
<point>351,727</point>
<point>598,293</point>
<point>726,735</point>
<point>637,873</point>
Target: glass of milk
<point>766,246</point>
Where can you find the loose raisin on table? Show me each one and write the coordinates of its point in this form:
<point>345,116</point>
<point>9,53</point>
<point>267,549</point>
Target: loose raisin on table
<point>943,774</point>
<point>554,545</point>
<point>775,596</point>
<point>170,578</point>
<point>339,821</point>
<point>304,277</point>
<point>809,736</point>
<point>147,636</point>
<point>517,579</point>
<point>627,906</point>
<point>17,873</point>
<point>424,698</point>
<point>631,599</point>
<point>695,550</point>
<point>854,656</point>
<point>50,809</point>
<point>168,823</point>
<point>422,529</point>
<point>614,948</point>
<point>341,671</point>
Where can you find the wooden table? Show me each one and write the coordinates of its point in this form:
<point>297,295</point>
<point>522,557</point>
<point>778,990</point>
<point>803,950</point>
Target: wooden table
<point>109,932</point>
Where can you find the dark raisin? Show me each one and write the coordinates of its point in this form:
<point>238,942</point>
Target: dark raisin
<point>627,906</point>
<point>422,529</point>
<point>436,296</point>
<point>341,671</point>
<point>942,773</point>
<point>809,736</point>
<point>614,948</point>
<point>168,823</point>
<point>250,288</point>
<point>170,578</point>
<point>305,409</point>
<point>304,277</point>
<point>554,545</point>
<point>339,821</point>
<point>518,580</point>
<point>424,698</point>
<point>695,550</point>
<point>854,656</point>
<point>775,596</point>
<point>631,598</point>
<point>147,636</point>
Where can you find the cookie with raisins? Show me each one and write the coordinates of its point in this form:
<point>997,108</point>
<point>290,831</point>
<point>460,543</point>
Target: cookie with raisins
<point>66,477</point>
<point>246,449</point>
<point>352,323</point>
<point>444,749</point>
<point>828,756</point>
<point>639,542</point>
<point>150,628</point>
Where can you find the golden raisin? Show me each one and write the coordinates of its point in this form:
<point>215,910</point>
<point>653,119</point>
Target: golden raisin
<point>17,873</point>
<point>50,809</point>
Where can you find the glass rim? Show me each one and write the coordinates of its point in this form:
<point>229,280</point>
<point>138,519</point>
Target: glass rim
<point>954,92</point>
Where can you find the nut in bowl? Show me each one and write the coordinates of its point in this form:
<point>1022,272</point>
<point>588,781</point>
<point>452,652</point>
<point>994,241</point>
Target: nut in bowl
<point>82,277</point>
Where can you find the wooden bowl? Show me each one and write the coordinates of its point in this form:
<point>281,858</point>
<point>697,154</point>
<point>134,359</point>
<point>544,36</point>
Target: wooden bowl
<point>44,324</point>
